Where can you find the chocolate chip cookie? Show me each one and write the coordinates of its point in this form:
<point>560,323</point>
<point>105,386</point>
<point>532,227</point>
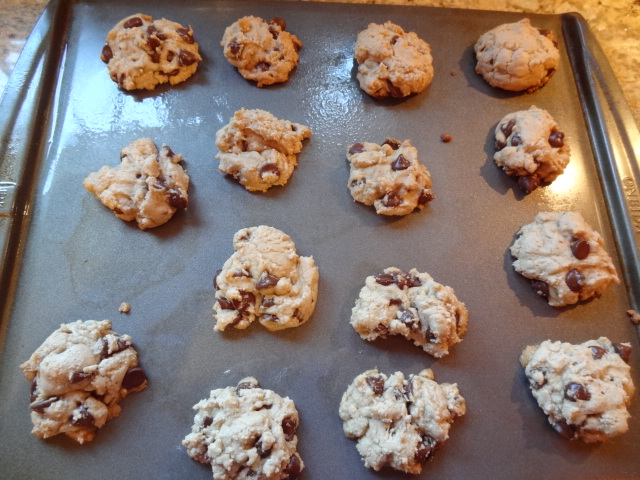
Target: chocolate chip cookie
<point>78,377</point>
<point>263,52</point>
<point>258,149</point>
<point>584,389</point>
<point>142,53</point>
<point>399,422</point>
<point>413,305</point>
<point>530,146</point>
<point>148,186</point>
<point>265,280</point>
<point>392,62</point>
<point>517,56</point>
<point>564,258</point>
<point>246,432</point>
<point>389,177</point>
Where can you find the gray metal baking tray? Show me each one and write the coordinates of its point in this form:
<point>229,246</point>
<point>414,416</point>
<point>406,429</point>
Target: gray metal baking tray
<point>66,257</point>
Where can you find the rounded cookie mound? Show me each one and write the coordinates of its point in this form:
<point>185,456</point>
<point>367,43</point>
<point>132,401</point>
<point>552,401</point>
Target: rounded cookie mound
<point>265,279</point>
<point>392,62</point>
<point>564,258</point>
<point>584,389</point>
<point>246,432</point>
<point>412,305</point>
<point>517,56</point>
<point>531,146</point>
<point>399,422</point>
<point>148,186</point>
<point>262,52</point>
<point>258,149</point>
<point>141,53</point>
<point>389,177</point>
<point>78,377</point>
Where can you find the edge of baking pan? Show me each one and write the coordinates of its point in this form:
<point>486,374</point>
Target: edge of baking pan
<point>614,139</point>
<point>25,109</point>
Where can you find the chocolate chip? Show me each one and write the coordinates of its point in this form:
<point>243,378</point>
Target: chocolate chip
<point>381,329</point>
<point>576,391</point>
<point>186,58</point>
<point>269,169</point>
<point>515,141</point>
<point>293,468</point>
<point>280,22</point>
<point>225,304</point>
<point>544,32</point>
<point>408,389</point>
<point>268,302</point>
<point>580,249</point>
<point>393,143</point>
<point>267,317</point>
<point>623,350</point>
<point>564,429</point>
<point>176,200</point>
<point>400,163</point>
<point>528,183</point>
<point>234,47</point>
<point>425,448</point>
<point>556,139</point>
<point>425,197</point>
<point>246,300</point>
<point>262,453</point>
<point>540,287</point>
<point>107,54</point>
<point>385,279</point>
<point>170,55</point>
<point>391,200</point>
<point>356,148</point>
<point>273,30</point>
<point>242,274</point>
<point>78,377</point>
<point>508,127</point>
<point>376,382</point>
<point>535,383</point>
<point>185,33</point>
<point>173,73</point>
<point>152,43</point>
<point>393,90</point>
<point>82,418</point>
<point>574,280</point>
<point>266,281</point>
<point>207,421</point>
<point>133,22</point>
<point>246,386</point>
<point>120,346</point>
<point>597,351</point>
<point>395,301</point>
<point>262,66</point>
<point>42,404</point>
<point>394,39</point>
<point>499,145</point>
<point>154,56</point>
<point>409,319</point>
<point>134,378</point>
<point>289,427</point>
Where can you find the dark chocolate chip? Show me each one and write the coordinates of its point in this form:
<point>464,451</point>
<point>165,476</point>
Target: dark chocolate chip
<point>574,280</point>
<point>107,54</point>
<point>280,22</point>
<point>154,56</point>
<point>246,300</point>
<point>207,421</point>
<point>268,302</point>
<point>78,377</point>
<point>391,200</point>
<point>540,287</point>
<point>395,301</point>
<point>293,468</point>
<point>170,55</point>
<point>242,274</point>
<point>186,58</point>
<point>392,142</point>
<point>528,183</point>
<point>356,148</point>
<point>267,317</point>
<point>42,404</point>
<point>508,127</point>
<point>263,66</point>
<point>246,386</point>
<point>564,429</point>
<point>425,197</point>
<point>273,30</point>
<point>133,22</point>
<point>409,319</point>
<point>234,47</point>
<point>262,453</point>
<point>376,382</point>
<point>580,249</point>
<point>556,139</point>
<point>576,391</point>
<point>499,145</point>
<point>515,141</point>
<point>176,200</point>
<point>153,42</point>
<point>623,350</point>
<point>597,351</point>
<point>425,448</point>
<point>266,281</point>
<point>225,304</point>
<point>289,427</point>
<point>400,163</point>
<point>385,279</point>
<point>134,378</point>
<point>269,168</point>
<point>82,418</point>
<point>185,33</point>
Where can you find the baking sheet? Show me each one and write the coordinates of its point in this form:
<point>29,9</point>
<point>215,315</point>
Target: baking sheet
<point>76,260</point>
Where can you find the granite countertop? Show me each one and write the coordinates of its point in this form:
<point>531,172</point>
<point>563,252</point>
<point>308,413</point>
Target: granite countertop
<point>616,24</point>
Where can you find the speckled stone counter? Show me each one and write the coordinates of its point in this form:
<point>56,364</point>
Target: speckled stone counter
<point>616,24</point>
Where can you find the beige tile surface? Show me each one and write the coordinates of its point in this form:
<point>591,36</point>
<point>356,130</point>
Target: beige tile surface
<point>616,24</point>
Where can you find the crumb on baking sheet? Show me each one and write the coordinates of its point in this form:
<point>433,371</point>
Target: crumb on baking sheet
<point>124,307</point>
<point>453,73</point>
<point>634,317</point>
<point>446,138</point>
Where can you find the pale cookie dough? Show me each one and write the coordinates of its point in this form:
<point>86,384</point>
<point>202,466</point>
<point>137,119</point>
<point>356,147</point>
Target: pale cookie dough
<point>258,149</point>
<point>392,62</point>
<point>517,56</point>
<point>412,305</point>
<point>399,422</point>
<point>262,52</point>
<point>141,53</point>
<point>564,258</point>
<point>265,280</point>
<point>246,432</point>
<point>78,377</point>
<point>530,145</point>
<point>584,389</point>
<point>389,176</point>
<point>148,186</point>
